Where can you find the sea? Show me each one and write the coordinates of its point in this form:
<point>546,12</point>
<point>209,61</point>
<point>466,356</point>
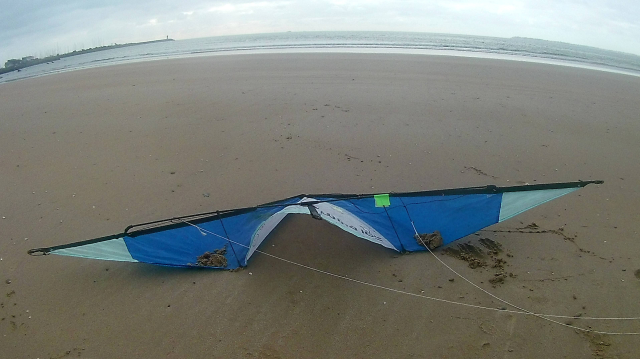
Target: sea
<point>514,48</point>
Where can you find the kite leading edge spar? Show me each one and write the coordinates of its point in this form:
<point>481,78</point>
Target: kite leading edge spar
<point>227,239</point>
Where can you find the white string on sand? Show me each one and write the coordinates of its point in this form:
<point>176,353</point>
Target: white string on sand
<point>522,310</point>
<point>519,311</point>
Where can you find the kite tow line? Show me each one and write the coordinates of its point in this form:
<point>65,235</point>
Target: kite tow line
<point>521,310</point>
<point>518,311</point>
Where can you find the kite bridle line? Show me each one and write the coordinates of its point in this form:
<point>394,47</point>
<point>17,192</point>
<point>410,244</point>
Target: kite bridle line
<point>490,189</point>
<point>519,311</point>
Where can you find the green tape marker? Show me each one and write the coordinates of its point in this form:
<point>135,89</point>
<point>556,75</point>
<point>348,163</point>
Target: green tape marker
<point>382,200</point>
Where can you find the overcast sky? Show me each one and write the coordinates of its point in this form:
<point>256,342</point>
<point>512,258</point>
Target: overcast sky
<point>44,27</point>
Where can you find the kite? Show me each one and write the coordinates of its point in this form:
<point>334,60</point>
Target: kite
<point>403,222</point>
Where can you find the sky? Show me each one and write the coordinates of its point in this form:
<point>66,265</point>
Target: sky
<point>45,27</point>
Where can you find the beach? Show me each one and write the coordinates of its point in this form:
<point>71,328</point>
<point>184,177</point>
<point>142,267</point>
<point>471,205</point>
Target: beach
<point>83,154</point>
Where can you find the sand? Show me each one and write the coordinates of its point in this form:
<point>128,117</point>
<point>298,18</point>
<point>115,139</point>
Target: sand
<point>84,154</point>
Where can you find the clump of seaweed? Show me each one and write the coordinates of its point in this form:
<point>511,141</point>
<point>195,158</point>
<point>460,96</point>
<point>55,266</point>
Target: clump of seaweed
<point>213,259</point>
<point>429,240</point>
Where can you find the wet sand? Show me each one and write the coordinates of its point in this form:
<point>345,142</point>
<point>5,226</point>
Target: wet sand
<point>86,153</point>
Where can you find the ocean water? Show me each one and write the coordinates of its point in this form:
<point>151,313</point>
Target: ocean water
<point>523,49</point>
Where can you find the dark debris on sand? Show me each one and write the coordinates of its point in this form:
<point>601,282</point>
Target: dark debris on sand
<point>213,259</point>
<point>597,343</point>
<point>494,247</point>
<point>429,240</point>
<point>469,253</point>
<point>479,258</point>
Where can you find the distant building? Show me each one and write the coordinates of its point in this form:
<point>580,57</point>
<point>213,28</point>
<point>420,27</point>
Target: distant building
<point>12,63</point>
<point>19,63</point>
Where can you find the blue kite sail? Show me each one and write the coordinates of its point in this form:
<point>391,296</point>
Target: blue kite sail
<point>227,239</point>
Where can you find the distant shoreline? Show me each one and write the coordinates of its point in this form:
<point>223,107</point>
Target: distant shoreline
<point>518,49</point>
<point>21,64</point>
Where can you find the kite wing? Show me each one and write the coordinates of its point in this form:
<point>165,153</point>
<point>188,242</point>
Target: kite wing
<point>227,239</point>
